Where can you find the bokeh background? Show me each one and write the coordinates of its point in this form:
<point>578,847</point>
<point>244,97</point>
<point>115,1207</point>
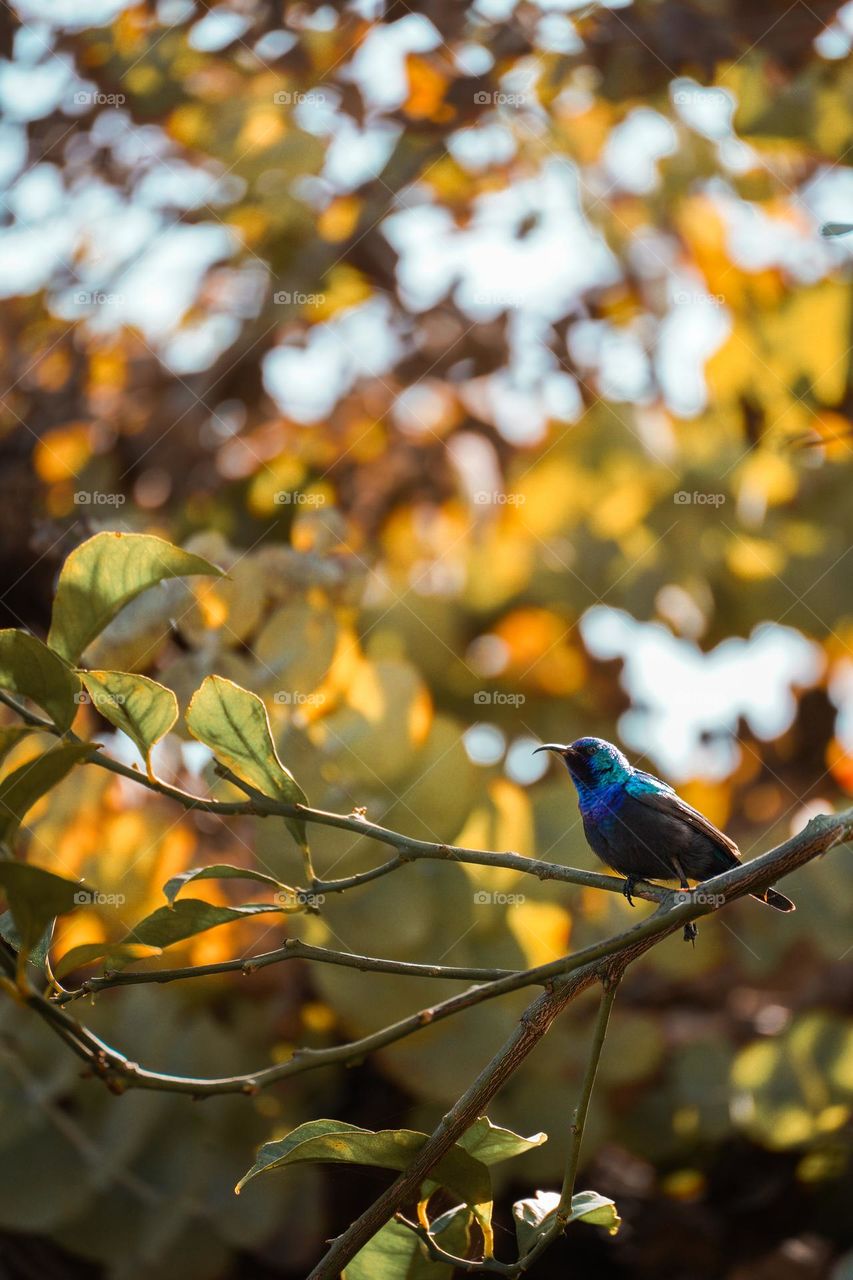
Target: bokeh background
<point>495,349</point>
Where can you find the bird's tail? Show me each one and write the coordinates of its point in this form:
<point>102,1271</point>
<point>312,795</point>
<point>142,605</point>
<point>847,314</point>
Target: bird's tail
<point>775,899</point>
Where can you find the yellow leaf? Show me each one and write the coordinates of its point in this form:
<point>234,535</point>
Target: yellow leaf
<point>263,127</point>
<point>543,930</point>
<point>755,559</point>
<point>338,220</point>
<point>426,91</point>
<point>62,454</point>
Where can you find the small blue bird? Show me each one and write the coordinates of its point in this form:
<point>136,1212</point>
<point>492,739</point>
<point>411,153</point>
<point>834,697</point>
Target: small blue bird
<point>640,827</point>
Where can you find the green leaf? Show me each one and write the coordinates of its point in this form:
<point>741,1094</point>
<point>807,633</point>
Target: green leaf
<point>35,897</point>
<point>489,1143</point>
<point>333,1141</point>
<point>233,722</point>
<point>534,1217</point>
<point>598,1211</point>
<point>10,736</point>
<point>168,925</point>
<point>29,668</point>
<point>115,954</point>
<point>9,932</point>
<point>105,573</point>
<point>141,708</point>
<point>396,1253</point>
<point>21,788</point>
<point>220,871</point>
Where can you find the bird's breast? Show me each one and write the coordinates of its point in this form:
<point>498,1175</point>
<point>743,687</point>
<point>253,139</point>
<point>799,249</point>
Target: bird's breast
<point>600,805</point>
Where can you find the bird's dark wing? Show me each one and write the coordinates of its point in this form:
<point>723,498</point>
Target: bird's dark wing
<point>657,795</point>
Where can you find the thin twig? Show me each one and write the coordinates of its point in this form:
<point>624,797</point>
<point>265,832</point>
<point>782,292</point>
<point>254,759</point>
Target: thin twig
<point>293,949</point>
<point>409,849</point>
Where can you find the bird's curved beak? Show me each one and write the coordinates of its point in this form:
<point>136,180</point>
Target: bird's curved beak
<point>568,754</point>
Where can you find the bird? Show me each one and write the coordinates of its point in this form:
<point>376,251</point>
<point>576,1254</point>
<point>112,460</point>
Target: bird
<point>640,827</point>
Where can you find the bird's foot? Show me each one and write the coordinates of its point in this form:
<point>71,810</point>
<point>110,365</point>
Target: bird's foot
<point>628,889</point>
<point>691,932</point>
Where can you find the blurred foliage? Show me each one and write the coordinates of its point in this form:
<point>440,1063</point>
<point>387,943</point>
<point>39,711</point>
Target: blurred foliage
<point>491,460</point>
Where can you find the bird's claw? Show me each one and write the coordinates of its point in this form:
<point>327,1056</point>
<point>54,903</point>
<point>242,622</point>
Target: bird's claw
<point>628,889</point>
<point>691,932</point>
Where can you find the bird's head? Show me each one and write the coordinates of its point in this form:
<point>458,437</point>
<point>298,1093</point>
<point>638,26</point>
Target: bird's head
<point>592,762</point>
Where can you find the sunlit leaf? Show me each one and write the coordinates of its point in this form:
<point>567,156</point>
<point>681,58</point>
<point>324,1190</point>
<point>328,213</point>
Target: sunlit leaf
<point>114,954</point>
<point>189,916</point>
<point>21,788</point>
<point>395,1253</point>
<point>333,1141</point>
<point>490,1143</point>
<point>29,668</point>
<point>141,708</point>
<point>221,871</point>
<point>533,1217</point>
<point>233,722</point>
<point>105,573</point>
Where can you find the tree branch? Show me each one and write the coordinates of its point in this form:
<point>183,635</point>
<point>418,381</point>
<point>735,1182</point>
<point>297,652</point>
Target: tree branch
<point>409,849</point>
<point>293,949</point>
<point>821,834</point>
